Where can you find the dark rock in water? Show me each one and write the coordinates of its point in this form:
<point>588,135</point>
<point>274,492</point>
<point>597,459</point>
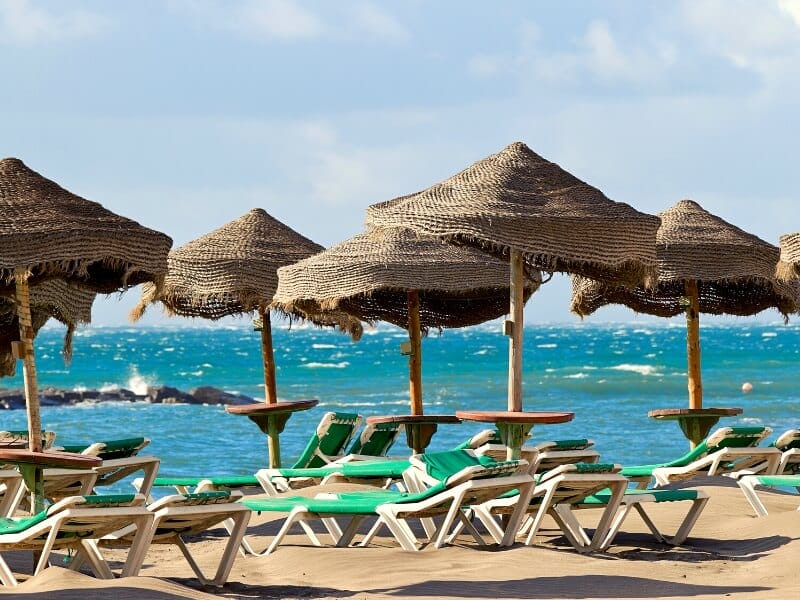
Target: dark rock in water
<point>15,399</point>
<point>168,395</point>
<point>210,395</point>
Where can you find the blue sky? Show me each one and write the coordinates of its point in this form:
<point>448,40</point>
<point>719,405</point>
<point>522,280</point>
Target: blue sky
<point>185,114</point>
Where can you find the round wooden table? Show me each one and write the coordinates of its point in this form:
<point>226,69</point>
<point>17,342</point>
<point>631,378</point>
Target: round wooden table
<point>271,419</point>
<point>32,465</point>
<point>514,425</point>
<point>694,422</point>
<point>419,428</point>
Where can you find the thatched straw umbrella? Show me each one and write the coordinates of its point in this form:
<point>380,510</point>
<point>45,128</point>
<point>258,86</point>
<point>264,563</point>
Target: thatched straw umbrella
<point>789,264</point>
<point>396,275</point>
<point>52,298</point>
<point>232,271</point>
<point>523,208</point>
<point>705,265</point>
<point>47,232</point>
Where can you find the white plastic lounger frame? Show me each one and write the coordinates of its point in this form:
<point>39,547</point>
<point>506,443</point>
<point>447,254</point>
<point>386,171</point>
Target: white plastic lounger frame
<point>748,484</point>
<point>562,486</point>
<point>10,485</point>
<point>637,501</point>
<point>83,521</point>
<point>725,461</point>
<point>180,515</point>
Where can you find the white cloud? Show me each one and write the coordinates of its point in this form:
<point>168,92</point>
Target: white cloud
<point>372,20</point>
<point>792,8</point>
<point>24,23</point>
<point>287,20</point>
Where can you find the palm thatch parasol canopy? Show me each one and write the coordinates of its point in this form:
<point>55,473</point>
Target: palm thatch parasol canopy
<point>517,200</point>
<point>234,270</point>
<point>706,265</point>
<point>734,270</point>
<point>789,263</point>
<point>47,232</point>
<point>369,276</point>
<point>520,207</point>
<point>53,298</point>
<point>396,275</point>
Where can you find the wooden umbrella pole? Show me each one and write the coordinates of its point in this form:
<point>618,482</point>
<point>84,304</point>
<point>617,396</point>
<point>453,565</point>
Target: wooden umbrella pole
<point>270,390</point>
<point>693,344</point>
<point>515,342</point>
<point>415,358</point>
<point>34,476</point>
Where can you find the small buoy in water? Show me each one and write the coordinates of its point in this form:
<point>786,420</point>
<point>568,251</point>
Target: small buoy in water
<point>747,387</point>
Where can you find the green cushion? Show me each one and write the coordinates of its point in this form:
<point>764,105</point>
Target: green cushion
<point>122,448</point>
<point>233,481</point>
<point>18,525</point>
<point>576,444</point>
<point>107,500</point>
<point>441,465</point>
<point>339,432</point>
<point>779,480</point>
<point>601,498</point>
<point>380,440</point>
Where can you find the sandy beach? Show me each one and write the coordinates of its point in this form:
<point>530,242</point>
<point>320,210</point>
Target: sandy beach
<point>730,553</point>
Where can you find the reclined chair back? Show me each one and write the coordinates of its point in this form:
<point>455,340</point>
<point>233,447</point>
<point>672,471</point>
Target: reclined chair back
<point>789,445</point>
<point>724,437</point>
<point>329,440</point>
<point>376,439</point>
<point>110,449</point>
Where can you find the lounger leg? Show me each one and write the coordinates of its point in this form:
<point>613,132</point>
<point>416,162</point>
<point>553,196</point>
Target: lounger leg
<point>466,523</point>
<point>91,553</point>
<point>748,485</point>
<point>566,519</point>
<point>344,538</point>
<point>489,521</point>
<point>399,528</point>
<point>539,516</point>
<point>145,529</point>
<point>6,576</point>
<point>607,519</point>
<point>371,534</point>
<point>44,557</point>
<point>688,523</point>
<point>297,515</point>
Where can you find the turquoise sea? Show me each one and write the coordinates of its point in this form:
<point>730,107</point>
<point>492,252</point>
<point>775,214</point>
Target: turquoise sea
<point>608,375</point>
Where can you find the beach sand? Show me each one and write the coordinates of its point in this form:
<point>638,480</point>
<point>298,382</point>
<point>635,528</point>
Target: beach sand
<point>730,553</point>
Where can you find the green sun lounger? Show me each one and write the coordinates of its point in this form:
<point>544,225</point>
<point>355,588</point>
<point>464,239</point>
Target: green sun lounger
<point>749,484</point>
<point>789,445</point>
<point>326,444</point>
<point>75,524</point>
<point>637,500</point>
<point>462,478</point>
<point>726,450</point>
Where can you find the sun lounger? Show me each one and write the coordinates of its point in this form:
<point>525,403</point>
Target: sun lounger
<point>6,437</point>
<point>789,445</point>
<point>470,484</point>
<point>749,484</point>
<point>109,449</point>
<point>548,455</point>
<point>180,516</point>
<point>325,445</point>
<point>727,449</point>
<point>563,487</point>
<point>74,523</point>
<point>10,484</point>
<point>637,500</point>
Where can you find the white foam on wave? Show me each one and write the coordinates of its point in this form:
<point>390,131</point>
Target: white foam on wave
<point>769,334</point>
<point>576,376</point>
<point>321,365</point>
<point>641,369</point>
<point>323,346</point>
<point>547,346</point>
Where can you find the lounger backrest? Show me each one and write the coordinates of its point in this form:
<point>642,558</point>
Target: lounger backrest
<point>788,440</point>
<point>565,445</point>
<point>724,437</point>
<point>329,440</point>
<point>442,465</point>
<point>376,439</point>
<point>18,435</point>
<point>110,449</point>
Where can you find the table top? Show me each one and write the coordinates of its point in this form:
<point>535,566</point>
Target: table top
<point>699,413</point>
<point>501,416</point>
<point>276,408</point>
<point>49,458</point>
<point>412,419</point>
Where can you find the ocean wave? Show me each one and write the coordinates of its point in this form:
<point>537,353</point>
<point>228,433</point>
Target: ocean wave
<point>576,376</point>
<point>323,346</point>
<point>547,346</point>
<point>321,365</point>
<point>641,369</point>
